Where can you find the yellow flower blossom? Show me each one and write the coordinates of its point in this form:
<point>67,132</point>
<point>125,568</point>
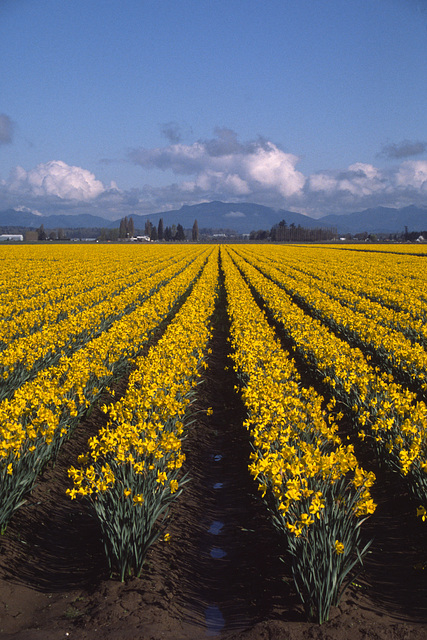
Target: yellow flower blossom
<point>339,547</point>
<point>174,486</point>
<point>422,513</point>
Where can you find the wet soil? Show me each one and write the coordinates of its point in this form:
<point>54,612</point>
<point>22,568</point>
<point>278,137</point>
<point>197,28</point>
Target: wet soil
<point>220,574</point>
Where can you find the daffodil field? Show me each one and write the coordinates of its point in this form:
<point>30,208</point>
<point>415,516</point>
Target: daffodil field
<point>47,406</point>
<point>329,349</point>
<point>388,410</point>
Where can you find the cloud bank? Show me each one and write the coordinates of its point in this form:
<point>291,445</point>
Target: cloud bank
<point>220,168</point>
<point>223,164</point>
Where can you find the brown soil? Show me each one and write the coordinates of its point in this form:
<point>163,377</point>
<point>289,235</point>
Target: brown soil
<point>219,576</point>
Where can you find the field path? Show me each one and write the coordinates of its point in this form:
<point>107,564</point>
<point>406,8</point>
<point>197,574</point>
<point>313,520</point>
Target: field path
<point>230,576</point>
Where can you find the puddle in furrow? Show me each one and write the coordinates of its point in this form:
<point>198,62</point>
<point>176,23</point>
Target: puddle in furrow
<point>218,485</point>
<point>218,457</point>
<point>216,527</point>
<point>214,620</point>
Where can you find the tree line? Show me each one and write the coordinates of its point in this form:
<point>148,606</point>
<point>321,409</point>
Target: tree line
<point>157,232</point>
<point>126,230</point>
<point>282,232</point>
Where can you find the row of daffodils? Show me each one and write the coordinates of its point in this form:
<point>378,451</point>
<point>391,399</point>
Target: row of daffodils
<point>317,492</point>
<point>131,471</point>
<point>44,410</point>
<point>389,415</point>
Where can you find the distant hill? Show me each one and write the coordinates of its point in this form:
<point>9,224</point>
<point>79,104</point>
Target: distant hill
<point>239,217</point>
<point>12,217</point>
<point>380,220</point>
<point>242,217</point>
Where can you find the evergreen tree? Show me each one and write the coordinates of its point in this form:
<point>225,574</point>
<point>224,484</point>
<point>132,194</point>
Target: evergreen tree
<point>282,230</point>
<point>160,231</point>
<point>195,231</point>
<point>148,228</point>
<point>123,227</point>
<point>41,233</point>
<point>130,232</point>
<point>180,233</point>
<point>167,234</point>
<point>154,235</point>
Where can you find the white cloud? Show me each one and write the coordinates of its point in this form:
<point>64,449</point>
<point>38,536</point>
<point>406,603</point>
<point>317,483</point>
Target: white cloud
<point>225,165</point>
<point>413,173</point>
<point>322,182</point>
<point>235,214</point>
<point>363,185</point>
<point>359,180</point>
<point>364,170</point>
<point>217,182</point>
<point>56,178</point>
<point>27,210</point>
<point>272,168</point>
<point>404,184</point>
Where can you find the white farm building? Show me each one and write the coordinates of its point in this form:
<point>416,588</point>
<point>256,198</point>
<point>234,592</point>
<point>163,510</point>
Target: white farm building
<point>13,237</point>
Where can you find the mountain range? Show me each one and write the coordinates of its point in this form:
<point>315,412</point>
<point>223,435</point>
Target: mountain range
<point>237,217</point>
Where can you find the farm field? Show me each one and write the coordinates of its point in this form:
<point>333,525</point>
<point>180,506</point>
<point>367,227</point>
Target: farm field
<point>213,441</point>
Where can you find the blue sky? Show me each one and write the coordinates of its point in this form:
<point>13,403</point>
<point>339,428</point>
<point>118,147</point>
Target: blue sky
<point>138,106</point>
